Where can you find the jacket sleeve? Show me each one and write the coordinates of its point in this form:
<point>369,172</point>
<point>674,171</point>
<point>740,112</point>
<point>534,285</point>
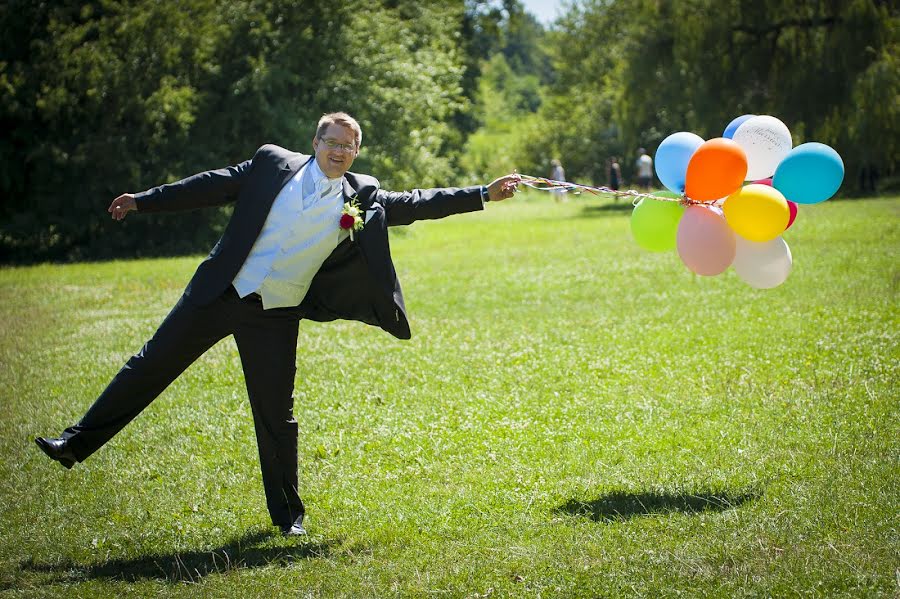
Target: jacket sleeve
<point>403,208</point>
<point>210,188</point>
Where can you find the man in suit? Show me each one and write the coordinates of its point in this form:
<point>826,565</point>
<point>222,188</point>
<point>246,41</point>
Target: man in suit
<point>285,255</point>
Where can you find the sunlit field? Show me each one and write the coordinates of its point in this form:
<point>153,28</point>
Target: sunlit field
<point>574,416</point>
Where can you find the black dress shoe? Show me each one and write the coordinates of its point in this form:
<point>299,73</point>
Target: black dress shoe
<point>57,449</point>
<point>293,530</point>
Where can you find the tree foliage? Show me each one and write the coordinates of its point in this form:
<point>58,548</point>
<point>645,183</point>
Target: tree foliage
<point>630,73</point>
<point>105,96</point>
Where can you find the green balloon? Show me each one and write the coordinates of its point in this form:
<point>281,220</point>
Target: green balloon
<point>654,224</point>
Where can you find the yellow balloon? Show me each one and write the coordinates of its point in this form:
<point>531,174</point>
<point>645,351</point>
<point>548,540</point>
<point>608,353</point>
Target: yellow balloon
<point>757,212</point>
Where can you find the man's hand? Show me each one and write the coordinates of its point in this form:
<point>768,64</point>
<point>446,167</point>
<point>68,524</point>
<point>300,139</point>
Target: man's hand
<point>504,187</point>
<point>122,205</point>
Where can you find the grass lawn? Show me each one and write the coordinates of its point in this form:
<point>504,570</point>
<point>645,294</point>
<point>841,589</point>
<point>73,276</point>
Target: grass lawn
<point>574,416</point>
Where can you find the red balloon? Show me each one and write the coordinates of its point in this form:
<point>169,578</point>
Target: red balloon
<point>792,206</point>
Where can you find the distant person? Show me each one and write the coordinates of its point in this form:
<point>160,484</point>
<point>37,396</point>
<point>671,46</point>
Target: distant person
<point>868,179</point>
<point>557,174</point>
<point>614,173</point>
<point>556,170</point>
<point>644,169</point>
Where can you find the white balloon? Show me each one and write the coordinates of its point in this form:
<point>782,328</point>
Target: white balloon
<point>766,141</point>
<point>762,265</point>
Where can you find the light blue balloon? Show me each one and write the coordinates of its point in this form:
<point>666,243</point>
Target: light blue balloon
<point>672,157</point>
<point>809,174</point>
<point>733,125</point>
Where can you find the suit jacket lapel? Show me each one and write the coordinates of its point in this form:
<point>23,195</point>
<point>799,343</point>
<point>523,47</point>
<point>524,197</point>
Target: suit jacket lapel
<point>349,192</point>
<point>269,189</point>
<point>290,168</point>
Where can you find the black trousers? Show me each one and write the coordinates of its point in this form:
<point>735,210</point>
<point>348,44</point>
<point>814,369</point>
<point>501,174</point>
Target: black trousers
<point>267,343</point>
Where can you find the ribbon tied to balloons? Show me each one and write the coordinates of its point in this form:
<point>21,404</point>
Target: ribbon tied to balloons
<point>729,198</point>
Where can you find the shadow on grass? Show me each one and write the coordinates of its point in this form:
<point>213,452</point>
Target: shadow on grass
<point>189,566</point>
<point>611,208</point>
<point>620,506</point>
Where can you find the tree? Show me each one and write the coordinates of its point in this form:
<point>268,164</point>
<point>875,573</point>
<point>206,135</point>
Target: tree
<point>576,120</point>
<point>110,96</point>
<point>695,65</point>
<point>630,73</point>
<point>507,67</point>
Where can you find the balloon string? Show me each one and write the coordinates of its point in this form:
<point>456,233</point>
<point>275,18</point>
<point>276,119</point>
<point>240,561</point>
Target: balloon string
<point>542,184</point>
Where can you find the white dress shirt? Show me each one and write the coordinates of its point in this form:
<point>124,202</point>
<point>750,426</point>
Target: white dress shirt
<point>300,232</point>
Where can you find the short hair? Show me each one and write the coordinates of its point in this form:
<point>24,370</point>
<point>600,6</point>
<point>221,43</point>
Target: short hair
<point>642,151</point>
<point>339,118</point>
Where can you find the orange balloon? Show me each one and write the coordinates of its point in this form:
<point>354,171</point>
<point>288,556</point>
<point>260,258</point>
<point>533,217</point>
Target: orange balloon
<point>716,169</point>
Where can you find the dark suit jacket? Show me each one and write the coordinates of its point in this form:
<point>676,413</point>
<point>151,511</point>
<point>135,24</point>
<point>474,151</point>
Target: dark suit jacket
<point>356,282</point>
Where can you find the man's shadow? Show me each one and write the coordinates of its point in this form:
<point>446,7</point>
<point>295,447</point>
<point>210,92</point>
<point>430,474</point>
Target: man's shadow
<point>619,506</point>
<point>189,566</point>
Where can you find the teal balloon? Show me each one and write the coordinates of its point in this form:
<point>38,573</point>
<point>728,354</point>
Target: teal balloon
<point>672,157</point>
<point>654,223</point>
<point>733,125</point>
<point>809,174</point>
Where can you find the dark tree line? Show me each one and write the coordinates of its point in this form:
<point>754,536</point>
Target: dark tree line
<point>630,73</point>
<point>106,96</point>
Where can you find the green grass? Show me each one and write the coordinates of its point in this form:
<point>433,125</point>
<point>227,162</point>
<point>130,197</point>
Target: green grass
<point>574,416</point>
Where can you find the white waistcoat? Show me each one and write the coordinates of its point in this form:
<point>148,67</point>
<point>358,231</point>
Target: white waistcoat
<point>301,230</point>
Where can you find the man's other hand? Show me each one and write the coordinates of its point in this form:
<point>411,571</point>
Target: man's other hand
<point>504,187</point>
<point>122,205</point>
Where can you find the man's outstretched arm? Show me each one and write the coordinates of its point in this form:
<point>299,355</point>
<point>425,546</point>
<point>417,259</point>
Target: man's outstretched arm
<point>405,207</point>
<point>210,188</point>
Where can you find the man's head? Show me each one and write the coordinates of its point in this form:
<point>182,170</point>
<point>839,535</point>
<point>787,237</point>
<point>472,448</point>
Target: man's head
<point>336,144</point>
<point>641,151</point>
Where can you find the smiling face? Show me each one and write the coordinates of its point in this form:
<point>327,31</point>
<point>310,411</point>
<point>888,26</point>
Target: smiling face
<point>335,150</point>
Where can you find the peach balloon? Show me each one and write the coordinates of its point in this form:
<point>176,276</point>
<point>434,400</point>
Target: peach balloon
<point>716,169</point>
<point>705,242</point>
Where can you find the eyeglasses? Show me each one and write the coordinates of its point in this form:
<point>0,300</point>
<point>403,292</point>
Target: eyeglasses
<point>333,144</point>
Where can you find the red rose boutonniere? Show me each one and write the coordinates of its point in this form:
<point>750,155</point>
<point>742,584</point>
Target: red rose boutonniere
<point>350,218</point>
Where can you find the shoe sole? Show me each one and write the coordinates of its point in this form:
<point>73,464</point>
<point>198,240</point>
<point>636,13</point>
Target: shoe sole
<point>64,461</point>
<point>294,531</point>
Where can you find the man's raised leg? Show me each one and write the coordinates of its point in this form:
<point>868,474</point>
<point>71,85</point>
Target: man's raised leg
<point>186,333</point>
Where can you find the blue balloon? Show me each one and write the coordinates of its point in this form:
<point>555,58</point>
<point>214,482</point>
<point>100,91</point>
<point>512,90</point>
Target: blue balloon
<point>672,157</point>
<point>733,125</point>
<point>809,174</point>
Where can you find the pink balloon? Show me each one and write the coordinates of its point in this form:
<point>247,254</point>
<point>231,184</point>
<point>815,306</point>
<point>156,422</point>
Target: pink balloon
<point>705,242</point>
<point>765,182</point>
<point>792,206</point>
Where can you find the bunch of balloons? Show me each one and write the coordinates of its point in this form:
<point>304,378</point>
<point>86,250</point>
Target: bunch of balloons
<point>731,198</point>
